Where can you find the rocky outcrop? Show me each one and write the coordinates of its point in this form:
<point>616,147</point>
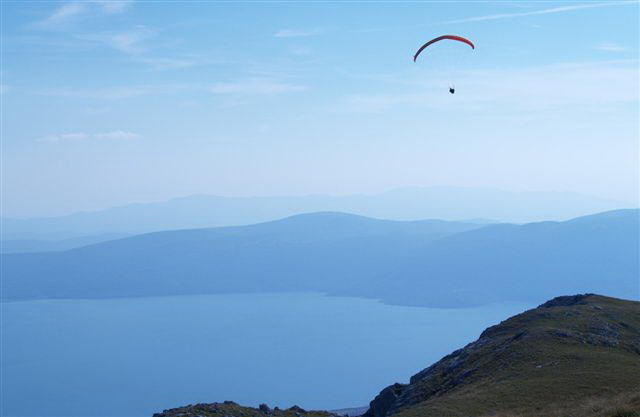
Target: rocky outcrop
<point>231,409</point>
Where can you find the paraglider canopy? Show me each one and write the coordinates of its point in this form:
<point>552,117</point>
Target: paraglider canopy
<point>443,37</point>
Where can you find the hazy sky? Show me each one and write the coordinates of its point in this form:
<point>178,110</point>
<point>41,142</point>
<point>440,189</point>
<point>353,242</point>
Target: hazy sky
<point>106,102</point>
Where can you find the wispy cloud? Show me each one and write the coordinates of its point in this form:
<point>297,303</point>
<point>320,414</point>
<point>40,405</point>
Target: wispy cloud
<point>64,13</point>
<point>295,33</point>
<point>64,137</point>
<point>113,6</point>
<point>161,64</point>
<point>243,87</point>
<point>116,135</point>
<point>70,11</point>
<point>256,86</point>
<point>118,93</point>
<point>376,103</point>
<point>113,93</point>
<point>138,42</point>
<point>131,42</point>
<point>302,51</point>
<point>81,136</point>
<point>552,10</point>
<point>610,47</point>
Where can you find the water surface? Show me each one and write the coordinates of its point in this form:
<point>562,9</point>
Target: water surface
<point>136,356</point>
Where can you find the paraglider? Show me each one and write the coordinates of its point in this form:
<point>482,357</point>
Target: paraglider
<point>452,89</point>
<point>440,38</point>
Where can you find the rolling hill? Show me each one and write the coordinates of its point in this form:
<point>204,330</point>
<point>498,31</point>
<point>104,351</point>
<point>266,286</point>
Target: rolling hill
<point>200,211</point>
<point>432,262</point>
<point>316,252</point>
<point>530,262</point>
<point>51,245</point>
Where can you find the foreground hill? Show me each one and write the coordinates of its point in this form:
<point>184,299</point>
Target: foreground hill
<point>449,203</point>
<point>573,356</point>
<point>431,262</point>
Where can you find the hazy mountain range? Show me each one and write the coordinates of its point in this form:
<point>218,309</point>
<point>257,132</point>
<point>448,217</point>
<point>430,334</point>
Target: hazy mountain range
<point>534,261</point>
<point>448,203</point>
<point>49,245</point>
<point>430,262</point>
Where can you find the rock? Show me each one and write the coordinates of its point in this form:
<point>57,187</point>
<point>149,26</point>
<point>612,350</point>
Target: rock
<point>297,409</point>
<point>566,301</point>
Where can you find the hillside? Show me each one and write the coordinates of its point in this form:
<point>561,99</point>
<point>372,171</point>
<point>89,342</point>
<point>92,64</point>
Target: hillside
<point>571,356</point>
<point>313,252</point>
<point>598,253</point>
<point>200,211</point>
<point>431,262</point>
<point>51,245</point>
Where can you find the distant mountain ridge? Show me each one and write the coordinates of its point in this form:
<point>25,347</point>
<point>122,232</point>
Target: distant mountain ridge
<point>448,203</point>
<point>39,245</point>
<point>431,262</point>
<point>311,252</point>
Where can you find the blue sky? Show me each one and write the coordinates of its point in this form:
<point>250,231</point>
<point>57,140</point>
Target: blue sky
<point>112,102</point>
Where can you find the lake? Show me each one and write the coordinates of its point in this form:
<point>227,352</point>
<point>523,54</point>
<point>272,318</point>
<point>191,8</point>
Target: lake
<point>136,356</point>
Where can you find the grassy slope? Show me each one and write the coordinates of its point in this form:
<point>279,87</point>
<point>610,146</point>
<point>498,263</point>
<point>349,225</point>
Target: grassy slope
<point>556,360</point>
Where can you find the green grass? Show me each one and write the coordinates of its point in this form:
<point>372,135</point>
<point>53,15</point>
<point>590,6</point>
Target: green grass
<point>569,358</point>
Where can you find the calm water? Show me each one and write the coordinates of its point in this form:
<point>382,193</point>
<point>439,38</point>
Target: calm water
<point>131,357</point>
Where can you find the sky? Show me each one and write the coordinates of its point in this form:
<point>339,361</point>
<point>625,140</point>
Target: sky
<point>106,103</point>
